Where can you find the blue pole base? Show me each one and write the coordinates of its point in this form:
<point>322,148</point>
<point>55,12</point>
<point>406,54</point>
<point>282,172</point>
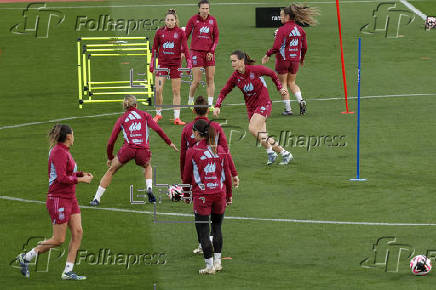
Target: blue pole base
<point>357,179</point>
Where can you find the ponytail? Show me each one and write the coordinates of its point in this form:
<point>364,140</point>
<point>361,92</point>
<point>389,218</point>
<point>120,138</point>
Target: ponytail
<point>59,134</point>
<point>301,14</point>
<point>242,55</point>
<point>206,131</point>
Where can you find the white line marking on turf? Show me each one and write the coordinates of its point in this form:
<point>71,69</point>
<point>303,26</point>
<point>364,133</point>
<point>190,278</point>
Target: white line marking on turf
<point>233,217</point>
<point>238,104</point>
<point>413,8</point>
<point>190,4</point>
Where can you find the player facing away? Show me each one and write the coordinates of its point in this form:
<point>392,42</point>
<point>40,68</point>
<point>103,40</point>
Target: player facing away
<point>62,204</point>
<point>207,169</point>
<point>188,140</point>
<point>135,125</point>
<point>169,43</point>
<point>290,46</point>
<point>205,34</point>
<point>249,79</point>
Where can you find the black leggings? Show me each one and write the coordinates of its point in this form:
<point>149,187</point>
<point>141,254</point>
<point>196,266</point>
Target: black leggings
<point>203,233</point>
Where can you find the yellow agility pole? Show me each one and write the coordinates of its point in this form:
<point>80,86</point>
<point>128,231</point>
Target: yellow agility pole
<point>116,44</point>
<point>85,79</point>
<point>117,54</point>
<point>113,38</point>
<point>146,102</point>
<point>89,73</point>
<point>79,73</point>
<point>115,82</point>
<point>116,49</point>
<point>122,93</point>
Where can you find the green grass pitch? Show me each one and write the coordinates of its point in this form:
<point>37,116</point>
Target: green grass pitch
<point>269,250</point>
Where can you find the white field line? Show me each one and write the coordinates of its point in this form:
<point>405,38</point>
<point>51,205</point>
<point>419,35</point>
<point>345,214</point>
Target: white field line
<point>235,217</point>
<point>192,4</point>
<point>167,109</point>
<point>413,8</point>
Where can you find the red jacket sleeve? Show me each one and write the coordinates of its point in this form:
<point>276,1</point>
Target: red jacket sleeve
<point>189,27</point>
<point>153,125</point>
<point>187,170</point>
<point>303,46</point>
<point>231,83</point>
<point>228,175</point>
<point>185,50</point>
<point>265,71</point>
<point>183,149</point>
<point>222,140</point>
<point>154,49</point>
<point>59,161</point>
<point>110,144</point>
<point>216,35</point>
<point>277,43</point>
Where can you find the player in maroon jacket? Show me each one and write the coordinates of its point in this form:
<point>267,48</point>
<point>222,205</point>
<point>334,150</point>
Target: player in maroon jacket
<point>134,124</point>
<point>248,78</point>
<point>207,170</point>
<point>169,43</point>
<point>290,46</point>
<point>61,203</point>
<point>205,34</point>
<point>188,140</point>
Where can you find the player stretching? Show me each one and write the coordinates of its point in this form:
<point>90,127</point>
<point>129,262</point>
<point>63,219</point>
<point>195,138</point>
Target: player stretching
<point>204,29</point>
<point>134,124</point>
<point>169,42</point>
<point>62,204</point>
<point>188,140</point>
<point>207,169</point>
<point>290,46</point>
<point>248,78</point>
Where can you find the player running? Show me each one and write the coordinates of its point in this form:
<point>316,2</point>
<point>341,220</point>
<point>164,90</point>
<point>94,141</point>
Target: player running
<point>248,78</point>
<point>207,169</point>
<point>62,204</point>
<point>205,34</point>
<point>169,43</point>
<point>134,124</point>
<point>188,141</point>
<point>290,46</point>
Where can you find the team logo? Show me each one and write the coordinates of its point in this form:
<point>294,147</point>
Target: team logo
<point>176,35</point>
<point>168,45</point>
<point>293,43</point>
<point>252,76</point>
<point>248,87</point>
<point>61,213</point>
<point>210,168</point>
<point>204,29</point>
<point>211,22</point>
<point>294,32</point>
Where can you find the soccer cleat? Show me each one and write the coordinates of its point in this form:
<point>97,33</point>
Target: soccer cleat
<point>287,158</point>
<point>72,276</point>
<point>218,266</point>
<point>303,107</point>
<point>177,121</point>
<point>24,264</point>
<point>271,158</point>
<point>157,118</point>
<point>287,113</point>
<point>206,271</point>
<point>95,202</point>
<point>198,250</point>
<point>190,103</point>
<point>211,108</point>
<point>150,195</point>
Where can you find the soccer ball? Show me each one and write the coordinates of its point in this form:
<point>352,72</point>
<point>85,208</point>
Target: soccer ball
<point>420,265</point>
<point>175,192</point>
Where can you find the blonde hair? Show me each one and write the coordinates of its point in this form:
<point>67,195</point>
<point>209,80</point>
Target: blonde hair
<point>129,102</point>
<point>173,12</point>
<point>302,14</point>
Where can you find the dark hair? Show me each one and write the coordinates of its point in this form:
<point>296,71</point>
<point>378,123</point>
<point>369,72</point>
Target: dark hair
<point>201,110</point>
<point>206,131</point>
<point>303,15</point>
<point>203,2</point>
<point>173,12</point>
<point>242,55</point>
<point>59,134</point>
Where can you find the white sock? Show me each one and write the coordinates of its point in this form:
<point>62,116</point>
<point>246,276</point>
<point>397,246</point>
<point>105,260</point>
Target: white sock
<point>211,238</point>
<point>159,112</point>
<point>149,183</point>
<point>68,267</point>
<point>199,246</point>
<point>287,105</point>
<point>217,258</point>
<point>210,101</point>
<point>298,96</point>
<point>209,263</point>
<point>191,99</point>
<point>283,152</point>
<point>30,255</point>
<point>269,150</point>
<point>176,114</point>
<point>99,193</point>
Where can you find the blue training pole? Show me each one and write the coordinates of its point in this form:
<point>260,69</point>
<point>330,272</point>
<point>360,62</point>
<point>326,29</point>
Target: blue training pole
<point>358,119</point>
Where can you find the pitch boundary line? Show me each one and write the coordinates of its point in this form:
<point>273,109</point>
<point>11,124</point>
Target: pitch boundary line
<point>167,109</point>
<point>414,9</point>
<point>234,217</point>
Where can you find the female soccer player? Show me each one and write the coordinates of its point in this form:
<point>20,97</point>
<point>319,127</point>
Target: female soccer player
<point>207,169</point>
<point>169,42</point>
<point>188,140</point>
<point>290,46</point>
<point>205,34</point>
<point>249,80</point>
<point>62,204</point>
<point>134,124</point>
